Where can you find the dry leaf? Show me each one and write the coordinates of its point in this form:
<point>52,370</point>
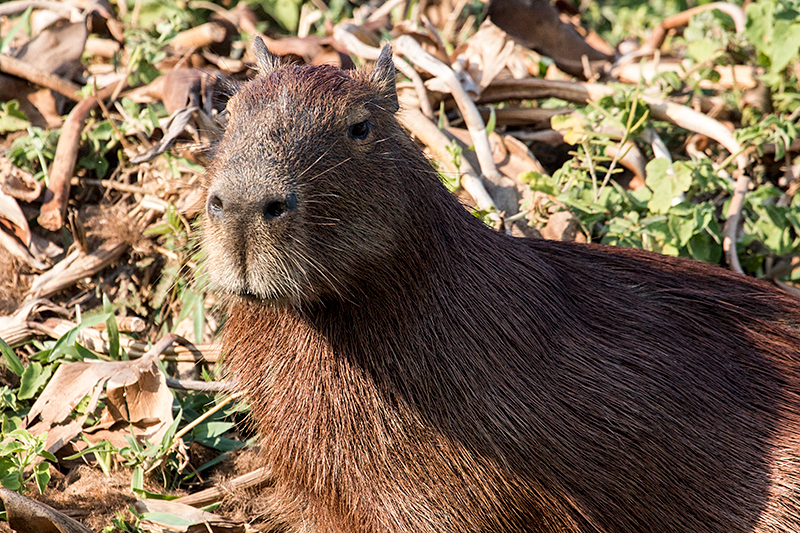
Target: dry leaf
<point>137,393</point>
<point>57,49</point>
<point>485,54</point>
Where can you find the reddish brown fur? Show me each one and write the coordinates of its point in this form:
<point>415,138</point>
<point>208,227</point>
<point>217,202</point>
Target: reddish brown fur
<point>412,370</point>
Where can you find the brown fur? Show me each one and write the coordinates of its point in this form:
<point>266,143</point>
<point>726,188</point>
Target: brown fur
<point>412,370</point>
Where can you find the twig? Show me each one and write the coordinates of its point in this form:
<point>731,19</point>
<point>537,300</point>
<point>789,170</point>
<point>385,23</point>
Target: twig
<point>452,18</point>
<point>384,10</point>
<point>54,209</point>
<point>201,386</point>
<point>407,46</point>
<point>432,137</point>
<point>682,19</point>
<point>37,76</point>
<point>355,46</point>
<point>111,184</point>
<point>159,347</point>
<point>253,479</point>
<point>660,150</point>
<point>75,267</point>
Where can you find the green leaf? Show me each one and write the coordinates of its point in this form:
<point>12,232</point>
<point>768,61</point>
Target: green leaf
<point>166,519</point>
<point>10,448</point>
<point>785,48</point>
<point>9,474</point>
<point>12,118</point>
<point>34,378</point>
<point>682,229</point>
<point>71,337</point>
<point>41,474</point>
<point>703,248</point>
<point>111,329</point>
<point>701,50</point>
<point>492,121</point>
<point>10,359</point>
<point>665,186</point>
<point>137,479</point>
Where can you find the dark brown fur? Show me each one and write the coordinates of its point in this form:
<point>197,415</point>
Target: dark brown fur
<point>412,370</point>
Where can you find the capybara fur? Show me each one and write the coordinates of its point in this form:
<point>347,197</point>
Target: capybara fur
<point>411,370</point>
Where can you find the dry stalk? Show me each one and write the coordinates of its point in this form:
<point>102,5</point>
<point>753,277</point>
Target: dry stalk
<point>37,76</point>
<point>437,141</point>
<point>408,47</point>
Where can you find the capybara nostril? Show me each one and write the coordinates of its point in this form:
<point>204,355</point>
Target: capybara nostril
<point>278,207</point>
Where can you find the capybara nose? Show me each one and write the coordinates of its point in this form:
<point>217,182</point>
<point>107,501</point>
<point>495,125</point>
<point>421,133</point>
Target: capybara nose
<point>272,208</point>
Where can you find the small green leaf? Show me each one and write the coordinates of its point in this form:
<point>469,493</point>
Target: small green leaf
<point>166,519</point>
<point>10,359</point>
<point>9,474</point>
<point>34,378</point>
<point>682,229</point>
<point>41,474</point>
<point>12,117</point>
<point>666,186</point>
<point>701,50</point>
<point>111,329</point>
<point>492,121</point>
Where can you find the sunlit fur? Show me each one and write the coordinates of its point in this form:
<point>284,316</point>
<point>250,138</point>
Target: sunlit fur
<point>412,370</point>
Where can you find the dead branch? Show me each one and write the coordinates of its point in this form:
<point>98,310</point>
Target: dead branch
<point>682,19</point>
<point>54,209</point>
<point>37,76</point>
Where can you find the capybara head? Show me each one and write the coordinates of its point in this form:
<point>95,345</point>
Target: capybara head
<point>306,172</point>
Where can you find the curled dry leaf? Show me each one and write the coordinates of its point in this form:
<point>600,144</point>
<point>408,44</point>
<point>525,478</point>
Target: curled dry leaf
<point>29,516</point>
<point>485,54</point>
<point>18,183</point>
<point>15,234</point>
<point>138,401</point>
<point>12,219</point>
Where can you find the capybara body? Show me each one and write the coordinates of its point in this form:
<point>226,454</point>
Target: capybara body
<point>412,370</point>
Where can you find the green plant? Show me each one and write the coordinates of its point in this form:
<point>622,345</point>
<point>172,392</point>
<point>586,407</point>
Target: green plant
<point>34,152</point>
<point>22,451</point>
<point>12,118</point>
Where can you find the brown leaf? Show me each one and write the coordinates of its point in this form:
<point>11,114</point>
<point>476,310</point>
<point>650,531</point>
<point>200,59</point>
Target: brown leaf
<point>137,396</point>
<point>57,49</point>
<point>485,54</point>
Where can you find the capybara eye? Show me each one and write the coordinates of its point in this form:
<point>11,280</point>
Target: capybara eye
<point>215,206</point>
<point>359,131</point>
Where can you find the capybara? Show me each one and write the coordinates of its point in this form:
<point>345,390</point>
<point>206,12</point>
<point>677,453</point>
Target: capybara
<point>410,369</point>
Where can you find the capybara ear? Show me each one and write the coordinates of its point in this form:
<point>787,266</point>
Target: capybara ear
<point>267,61</point>
<point>384,79</point>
